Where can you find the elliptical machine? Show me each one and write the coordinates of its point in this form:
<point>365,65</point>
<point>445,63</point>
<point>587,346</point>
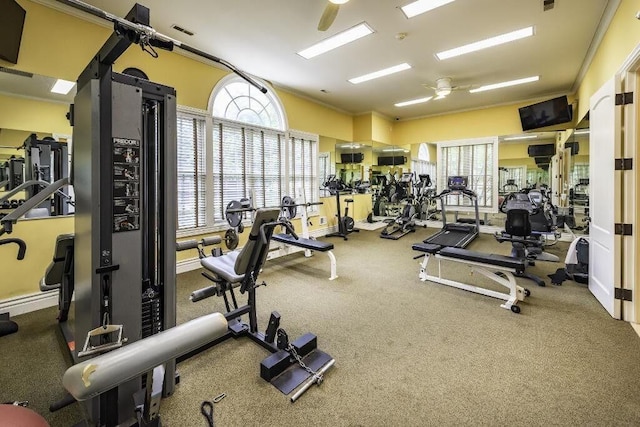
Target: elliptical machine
<point>346,224</point>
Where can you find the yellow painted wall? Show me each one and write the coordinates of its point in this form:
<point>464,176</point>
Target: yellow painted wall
<point>33,116</point>
<point>363,128</point>
<point>618,42</point>
<point>22,277</point>
<point>381,129</point>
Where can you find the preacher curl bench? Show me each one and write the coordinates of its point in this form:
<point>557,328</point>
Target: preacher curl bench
<point>498,268</point>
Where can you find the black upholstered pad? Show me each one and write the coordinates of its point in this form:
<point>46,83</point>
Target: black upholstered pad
<point>53,275</point>
<point>429,248</point>
<point>490,259</point>
<point>313,245</point>
<point>223,266</point>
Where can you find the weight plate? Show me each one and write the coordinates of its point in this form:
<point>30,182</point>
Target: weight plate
<point>231,239</point>
<point>288,207</point>
<point>349,224</point>
<point>233,218</point>
<point>240,228</point>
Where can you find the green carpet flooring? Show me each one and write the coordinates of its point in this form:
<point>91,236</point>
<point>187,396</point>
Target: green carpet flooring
<point>408,353</point>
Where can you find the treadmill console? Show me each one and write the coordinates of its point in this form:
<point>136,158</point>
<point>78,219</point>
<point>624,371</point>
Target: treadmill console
<point>457,182</point>
<point>406,177</point>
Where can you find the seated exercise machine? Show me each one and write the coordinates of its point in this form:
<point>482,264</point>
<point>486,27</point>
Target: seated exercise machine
<point>292,365</point>
<point>402,225</point>
<point>8,326</point>
<point>456,235</point>
<point>486,264</point>
<point>346,224</point>
<point>526,244</point>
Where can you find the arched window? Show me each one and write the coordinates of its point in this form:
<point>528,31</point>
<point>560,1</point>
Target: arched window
<point>423,153</point>
<point>423,164</point>
<point>235,99</point>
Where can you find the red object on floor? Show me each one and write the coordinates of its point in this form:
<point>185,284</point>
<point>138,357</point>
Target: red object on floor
<point>17,416</point>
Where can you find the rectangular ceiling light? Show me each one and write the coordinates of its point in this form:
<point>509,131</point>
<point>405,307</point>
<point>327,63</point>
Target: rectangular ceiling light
<point>413,101</point>
<point>335,41</point>
<point>505,84</point>
<point>483,44</point>
<point>380,73</point>
<point>62,87</point>
<point>516,138</point>
<point>421,6</point>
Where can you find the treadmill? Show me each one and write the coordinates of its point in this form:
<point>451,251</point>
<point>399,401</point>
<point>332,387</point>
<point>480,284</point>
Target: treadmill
<point>456,235</point>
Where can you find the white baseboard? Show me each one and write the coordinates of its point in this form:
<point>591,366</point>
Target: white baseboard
<point>187,265</point>
<point>28,303</point>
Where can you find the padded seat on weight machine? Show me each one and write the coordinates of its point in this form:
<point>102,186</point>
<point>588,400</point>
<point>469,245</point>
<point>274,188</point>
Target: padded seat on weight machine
<point>53,275</point>
<point>314,245</point>
<point>472,256</point>
<point>231,267</point>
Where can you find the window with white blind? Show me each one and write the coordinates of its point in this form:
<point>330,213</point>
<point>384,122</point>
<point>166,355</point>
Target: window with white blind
<point>423,166</point>
<point>303,167</point>
<point>512,178</point>
<point>247,162</point>
<point>476,159</point>
<point>192,174</point>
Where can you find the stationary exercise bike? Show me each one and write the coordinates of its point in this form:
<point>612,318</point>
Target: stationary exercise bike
<point>346,224</point>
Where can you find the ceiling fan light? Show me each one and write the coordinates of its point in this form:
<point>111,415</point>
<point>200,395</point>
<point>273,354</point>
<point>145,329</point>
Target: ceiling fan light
<point>338,1</point>
<point>442,92</point>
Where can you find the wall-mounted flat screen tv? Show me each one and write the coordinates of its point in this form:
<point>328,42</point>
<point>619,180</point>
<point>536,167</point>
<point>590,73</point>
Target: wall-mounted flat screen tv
<point>547,113</point>
<point>11,24</point>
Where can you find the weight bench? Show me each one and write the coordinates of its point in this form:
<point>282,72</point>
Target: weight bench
<point>498,268</point>
<point>308,245</point>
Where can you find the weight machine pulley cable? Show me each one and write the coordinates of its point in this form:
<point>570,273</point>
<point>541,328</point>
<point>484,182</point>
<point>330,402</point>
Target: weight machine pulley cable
<point>148,34</point>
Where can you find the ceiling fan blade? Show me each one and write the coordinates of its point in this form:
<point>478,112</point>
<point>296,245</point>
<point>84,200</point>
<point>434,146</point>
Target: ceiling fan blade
<point>328,16</point>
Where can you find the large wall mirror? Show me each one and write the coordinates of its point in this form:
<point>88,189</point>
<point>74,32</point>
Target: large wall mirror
<point>34,142</point>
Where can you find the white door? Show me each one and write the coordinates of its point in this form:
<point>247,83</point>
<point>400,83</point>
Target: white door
<point>604,195</point>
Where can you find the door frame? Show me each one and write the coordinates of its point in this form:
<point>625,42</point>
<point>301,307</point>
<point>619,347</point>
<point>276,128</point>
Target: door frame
<point>630,179</point>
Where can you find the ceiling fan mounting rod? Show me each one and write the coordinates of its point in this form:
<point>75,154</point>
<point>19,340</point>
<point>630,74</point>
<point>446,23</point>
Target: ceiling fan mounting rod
<point>148,33</point>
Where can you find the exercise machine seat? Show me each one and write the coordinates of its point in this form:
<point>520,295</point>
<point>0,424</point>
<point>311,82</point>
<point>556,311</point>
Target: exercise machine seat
<point>314,245</point>
<point>223,266</point>
<point>232,266</point>
<point>518,223</point>
<point>53,275</point>
<point>491,259</point>
<point>18,416</point>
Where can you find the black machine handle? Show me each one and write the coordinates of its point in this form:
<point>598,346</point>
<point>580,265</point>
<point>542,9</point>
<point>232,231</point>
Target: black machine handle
<point>62,403</point>
<point>22,246</point>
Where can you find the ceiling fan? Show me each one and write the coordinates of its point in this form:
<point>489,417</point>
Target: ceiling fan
<point>329,14</point>
<point>444,87</point>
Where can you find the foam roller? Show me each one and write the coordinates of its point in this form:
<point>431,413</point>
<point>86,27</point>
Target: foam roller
<point>90,378</point>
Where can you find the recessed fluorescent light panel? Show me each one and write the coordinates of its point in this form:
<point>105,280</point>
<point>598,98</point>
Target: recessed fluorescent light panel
<point>335,41</point>
<point>62,87</point>
<point>413,101</point>
<point>505,84</point>
<point>421,6</point>
<point>380,73</point>
<point>483,44</point>
<point>516,138</point>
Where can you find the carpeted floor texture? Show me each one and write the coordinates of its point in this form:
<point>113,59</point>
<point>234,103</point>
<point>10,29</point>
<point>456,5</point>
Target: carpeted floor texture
<point>408,353</point>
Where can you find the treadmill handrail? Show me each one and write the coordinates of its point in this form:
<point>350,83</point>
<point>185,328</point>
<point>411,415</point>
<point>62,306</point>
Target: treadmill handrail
<point>10,219</point>
<point>19,188</point>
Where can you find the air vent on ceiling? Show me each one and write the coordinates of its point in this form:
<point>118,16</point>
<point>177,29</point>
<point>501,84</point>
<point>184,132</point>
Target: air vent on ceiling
<point>548,4</point>
<point>182,30</point>
<point>16,72</point>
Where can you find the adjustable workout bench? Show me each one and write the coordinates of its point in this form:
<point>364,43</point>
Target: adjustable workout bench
<point>498,268</point>
<point>308,245</point>
<point>296,365</point>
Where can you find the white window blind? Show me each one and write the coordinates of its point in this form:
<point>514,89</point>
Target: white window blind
<point>246,161</point>
<point>476,160</point>
<point>303,167</point>
<point>516,173</point>
<point>191,172</point>
<point>423,167</point>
